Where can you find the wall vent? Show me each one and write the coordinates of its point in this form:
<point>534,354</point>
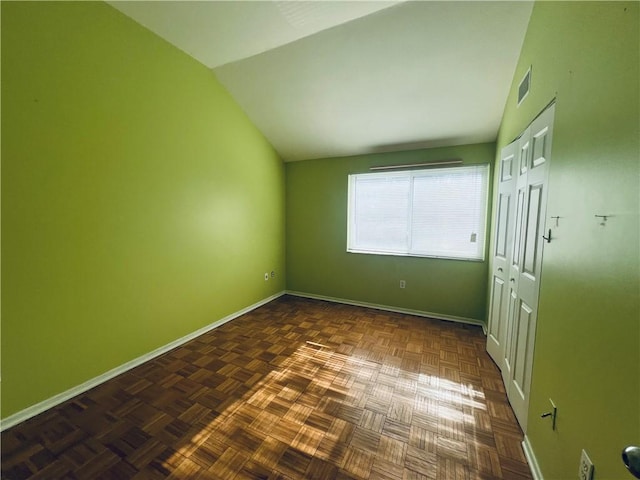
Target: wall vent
<point>524,86</point>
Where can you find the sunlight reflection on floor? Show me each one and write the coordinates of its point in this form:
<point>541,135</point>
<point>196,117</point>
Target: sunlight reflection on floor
<point>317,368</point>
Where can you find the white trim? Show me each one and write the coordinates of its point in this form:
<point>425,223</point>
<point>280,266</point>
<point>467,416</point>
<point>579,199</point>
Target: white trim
<point>531,459</point>
<point>51,402</point>
<point>387,308</point>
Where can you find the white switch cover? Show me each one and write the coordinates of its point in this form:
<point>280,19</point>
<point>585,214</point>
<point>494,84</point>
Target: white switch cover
<point>586,467</point>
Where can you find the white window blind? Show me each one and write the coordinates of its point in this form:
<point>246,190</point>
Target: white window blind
<point>431,213</point>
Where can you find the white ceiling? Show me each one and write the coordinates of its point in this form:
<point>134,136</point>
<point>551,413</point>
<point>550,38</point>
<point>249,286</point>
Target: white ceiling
<point>336,78</point>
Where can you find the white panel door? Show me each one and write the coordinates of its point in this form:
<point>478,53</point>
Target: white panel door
<point>522,167</point>
<point>526,264</point>
<point>502,250</point>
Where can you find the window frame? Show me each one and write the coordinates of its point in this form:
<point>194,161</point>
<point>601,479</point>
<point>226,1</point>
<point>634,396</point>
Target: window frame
<point>411,174</point>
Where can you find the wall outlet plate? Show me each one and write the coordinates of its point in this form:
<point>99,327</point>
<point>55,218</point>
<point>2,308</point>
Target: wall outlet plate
<point>266,277</point>
<point>586,467</point>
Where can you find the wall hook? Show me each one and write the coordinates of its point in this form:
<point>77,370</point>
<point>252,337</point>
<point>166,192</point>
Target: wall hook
<point>548,238</point>
<point>557,221</point>
<point>604,218</point>
<point>553,414</point>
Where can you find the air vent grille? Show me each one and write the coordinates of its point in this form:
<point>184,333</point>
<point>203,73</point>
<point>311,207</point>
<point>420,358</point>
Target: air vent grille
<point>524,87</point>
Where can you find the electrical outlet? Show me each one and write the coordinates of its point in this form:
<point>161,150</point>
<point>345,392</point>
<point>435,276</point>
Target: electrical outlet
<point>266,277</point>
<point>586,467</point>
<point>403,284</point>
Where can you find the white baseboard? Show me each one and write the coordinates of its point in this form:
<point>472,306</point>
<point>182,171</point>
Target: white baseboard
<point>51,402</point>
<point>531,459</point>
<point>387,308</point>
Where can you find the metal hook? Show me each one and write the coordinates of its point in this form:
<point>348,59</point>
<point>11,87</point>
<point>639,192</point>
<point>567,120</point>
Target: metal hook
<point>557,221</point>
<point>553,414</point>
<point>548,239</point>
<point>603,217</point>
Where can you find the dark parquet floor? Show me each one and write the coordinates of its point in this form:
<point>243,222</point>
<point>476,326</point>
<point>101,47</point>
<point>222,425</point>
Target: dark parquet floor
<point>295,389</point>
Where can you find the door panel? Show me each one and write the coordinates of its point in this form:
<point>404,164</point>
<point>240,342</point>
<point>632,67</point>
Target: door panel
<point>540,147</point>
<point>515,260</point>
<point>524,156</point>
<point>522,341</point>
<point>503,225</point>
<point>531,235</point>
<point>512,312</point>
<point>497,331</point>
<point>497,291</point>
<point>515,266</point>
<point>506,166</point>
<point>523,356</point>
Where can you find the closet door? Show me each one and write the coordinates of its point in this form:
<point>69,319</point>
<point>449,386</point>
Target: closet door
<point>503,247</point>
<point>526,265</point>
<point>517,258</point>
<point>522,166</point>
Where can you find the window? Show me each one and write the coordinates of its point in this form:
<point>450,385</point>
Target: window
<point>426,213</point>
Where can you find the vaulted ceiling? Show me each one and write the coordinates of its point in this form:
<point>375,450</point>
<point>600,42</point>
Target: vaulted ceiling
<point>338,78</point>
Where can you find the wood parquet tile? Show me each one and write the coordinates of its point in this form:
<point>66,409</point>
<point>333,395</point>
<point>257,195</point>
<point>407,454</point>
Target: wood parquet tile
<point>295,389</point>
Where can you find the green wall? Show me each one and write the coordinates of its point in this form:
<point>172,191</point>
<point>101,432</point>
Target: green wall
<point>138,201</point>
<point>140,204</point>
<point>587,354</point>
<point>317,261</point>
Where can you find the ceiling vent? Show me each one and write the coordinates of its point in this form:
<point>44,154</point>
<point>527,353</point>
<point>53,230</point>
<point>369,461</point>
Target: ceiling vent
<point>524,87</point>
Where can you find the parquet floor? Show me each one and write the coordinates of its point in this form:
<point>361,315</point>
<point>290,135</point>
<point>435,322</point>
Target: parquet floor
<point>295,389</point>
